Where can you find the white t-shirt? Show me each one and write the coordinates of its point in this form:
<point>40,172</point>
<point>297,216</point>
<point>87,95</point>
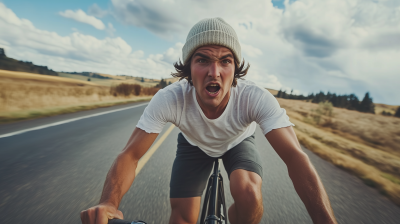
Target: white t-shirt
<point>248,104</point>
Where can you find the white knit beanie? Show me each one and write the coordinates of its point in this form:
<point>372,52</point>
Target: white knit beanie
<point>211,31</point>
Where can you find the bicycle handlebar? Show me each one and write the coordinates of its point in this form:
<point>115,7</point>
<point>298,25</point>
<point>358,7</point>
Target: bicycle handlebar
<point>120,221</point>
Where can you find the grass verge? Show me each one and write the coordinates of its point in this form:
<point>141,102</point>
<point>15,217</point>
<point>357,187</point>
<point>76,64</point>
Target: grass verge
<point>370,175</point>
<point>8,117</point>
<point>365,145</point>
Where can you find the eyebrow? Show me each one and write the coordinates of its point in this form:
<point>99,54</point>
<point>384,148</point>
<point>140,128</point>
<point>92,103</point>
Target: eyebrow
<point>207,57</point>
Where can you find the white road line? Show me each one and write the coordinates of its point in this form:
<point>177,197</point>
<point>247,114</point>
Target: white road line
<point>151,151</point>
<point>67,121</point>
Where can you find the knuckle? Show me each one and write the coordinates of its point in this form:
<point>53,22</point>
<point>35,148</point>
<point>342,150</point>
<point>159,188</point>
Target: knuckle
<point>102,209</point>
<point>84,212</point>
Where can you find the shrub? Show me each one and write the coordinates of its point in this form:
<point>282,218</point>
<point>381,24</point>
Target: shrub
<point>324,109</point>
<point>386,113</point>
<point>132,89</point>
<point>150,91</point>
<point>137,89</point>
<point>126,89</point>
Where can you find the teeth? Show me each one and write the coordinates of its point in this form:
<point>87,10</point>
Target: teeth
<point>213,85</point>
<point>212,92</point>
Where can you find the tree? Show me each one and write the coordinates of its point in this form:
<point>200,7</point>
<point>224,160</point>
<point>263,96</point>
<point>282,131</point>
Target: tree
<point>161,84</point>
<point>397,114</point>
<point>367,105</point>
<point>142,80</point>
<point>319,97</point>
<point>279,95</point>
<point>354,103</point>
<point>284,94</point>
<point>88,79</point>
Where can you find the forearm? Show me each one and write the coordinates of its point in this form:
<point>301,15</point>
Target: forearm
<point>311,190</point>
<point>119,179</point>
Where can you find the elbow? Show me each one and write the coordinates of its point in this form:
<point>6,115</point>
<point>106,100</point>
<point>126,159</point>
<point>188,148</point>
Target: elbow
<point>297,161</point>
<point>300,166</point>
<point>295,157</point>
<point>127,156</point>
<point>303,156</point>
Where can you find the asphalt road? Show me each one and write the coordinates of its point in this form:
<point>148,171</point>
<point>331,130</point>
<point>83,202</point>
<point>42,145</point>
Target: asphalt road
<point>51,174</point>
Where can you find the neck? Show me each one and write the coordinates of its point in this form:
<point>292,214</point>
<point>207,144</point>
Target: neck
<point>214,112</point>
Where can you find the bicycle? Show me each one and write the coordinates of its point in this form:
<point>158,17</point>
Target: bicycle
<point>213,201</point>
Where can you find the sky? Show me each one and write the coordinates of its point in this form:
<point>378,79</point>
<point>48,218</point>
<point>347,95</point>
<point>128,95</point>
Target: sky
<point>347,46</point>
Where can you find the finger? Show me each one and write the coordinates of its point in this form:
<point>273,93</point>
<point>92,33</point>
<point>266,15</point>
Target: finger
<point>119,215</point>
<point>100,216</point>
<point>85,217</point>
<point>96,214</point>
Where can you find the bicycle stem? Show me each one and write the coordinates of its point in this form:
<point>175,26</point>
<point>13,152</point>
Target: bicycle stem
<point>214,194</point>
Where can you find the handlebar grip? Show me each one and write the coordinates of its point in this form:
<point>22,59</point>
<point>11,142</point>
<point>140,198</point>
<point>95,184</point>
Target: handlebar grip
<point>120,221</point>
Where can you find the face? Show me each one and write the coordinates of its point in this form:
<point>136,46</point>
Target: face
<point>212,69</point>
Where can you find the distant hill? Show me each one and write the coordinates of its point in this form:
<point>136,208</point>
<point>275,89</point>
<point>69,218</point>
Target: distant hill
<point>273,91</point>
<point>91,74</point>
<point>11,64</point>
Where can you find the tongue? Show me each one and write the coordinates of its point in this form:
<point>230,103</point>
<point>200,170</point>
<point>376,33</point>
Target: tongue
<point>212,88</point>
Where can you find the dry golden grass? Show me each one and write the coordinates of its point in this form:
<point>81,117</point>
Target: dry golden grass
<point>116,80</point>
<point>273,91</point>
<point>20,94</point>
<point>26,95</point>
<point>113,76</point>
<point>384,107</point>
<point>379,132</point>
<point>51,111</point>
<point>382,160</point>
<point>365,144</point>
<point>110,82</point>
<point>5,74</point>
<point>369,174</point>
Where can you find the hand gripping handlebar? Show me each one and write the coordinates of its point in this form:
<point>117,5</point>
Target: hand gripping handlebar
<point>120,221</point>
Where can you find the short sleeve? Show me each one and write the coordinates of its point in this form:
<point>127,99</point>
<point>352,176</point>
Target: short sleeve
<point>156,114</point>
<point>268,113</point>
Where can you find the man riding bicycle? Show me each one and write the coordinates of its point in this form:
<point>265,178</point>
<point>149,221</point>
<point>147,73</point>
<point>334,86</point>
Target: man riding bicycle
<point>217,113</point>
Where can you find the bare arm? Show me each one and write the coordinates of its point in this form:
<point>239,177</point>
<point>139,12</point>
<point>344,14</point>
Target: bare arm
<point>303,175</point>
<point>119,178</point>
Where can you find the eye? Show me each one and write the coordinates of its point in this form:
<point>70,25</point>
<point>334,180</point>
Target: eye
<point>226,61</point>
<point>202,60</point>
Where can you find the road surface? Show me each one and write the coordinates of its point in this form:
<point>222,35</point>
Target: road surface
<point>50,174</point>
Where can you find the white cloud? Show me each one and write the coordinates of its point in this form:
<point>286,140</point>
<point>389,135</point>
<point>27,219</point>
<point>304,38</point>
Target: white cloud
<point>75,52</point>
<point>338,46</point>
<point>82,17</point>
<point>311,45</point>
<point>173,54</point>
<point>170,19</point>
<point>95,10</point>
<point>251,51</point>
<point>110,29</point>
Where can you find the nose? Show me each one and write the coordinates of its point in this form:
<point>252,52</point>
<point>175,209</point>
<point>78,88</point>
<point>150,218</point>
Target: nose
<point>214,70</point>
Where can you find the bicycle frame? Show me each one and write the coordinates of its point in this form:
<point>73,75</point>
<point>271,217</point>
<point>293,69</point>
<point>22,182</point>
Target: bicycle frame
<point>214,198</point>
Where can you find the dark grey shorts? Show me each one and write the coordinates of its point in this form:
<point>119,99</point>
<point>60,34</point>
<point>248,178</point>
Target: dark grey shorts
<point>192,166</point>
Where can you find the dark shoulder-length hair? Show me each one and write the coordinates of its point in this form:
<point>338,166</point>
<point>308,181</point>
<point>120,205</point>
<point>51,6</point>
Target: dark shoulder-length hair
<point>183,71</point>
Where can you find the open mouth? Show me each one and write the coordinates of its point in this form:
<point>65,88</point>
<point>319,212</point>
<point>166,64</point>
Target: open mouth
<point>213,88</point>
